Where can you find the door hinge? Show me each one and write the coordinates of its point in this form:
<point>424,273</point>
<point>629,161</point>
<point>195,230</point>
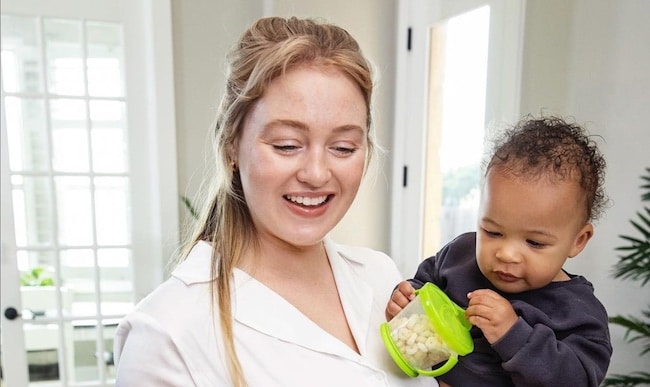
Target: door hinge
<point>405,172</point>
<point>409,36</point>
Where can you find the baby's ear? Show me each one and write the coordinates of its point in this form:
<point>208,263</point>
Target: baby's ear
<point>581,239</point>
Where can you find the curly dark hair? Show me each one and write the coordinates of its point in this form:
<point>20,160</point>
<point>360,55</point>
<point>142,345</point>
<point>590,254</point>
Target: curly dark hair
<point>557,149</point>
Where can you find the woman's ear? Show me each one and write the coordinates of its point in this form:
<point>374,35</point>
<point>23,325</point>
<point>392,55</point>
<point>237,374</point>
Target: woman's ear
<point>232,155</point>
<point>581,239</point>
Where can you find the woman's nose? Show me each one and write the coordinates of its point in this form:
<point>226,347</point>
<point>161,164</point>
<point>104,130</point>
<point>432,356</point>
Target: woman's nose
<point>316,170</point>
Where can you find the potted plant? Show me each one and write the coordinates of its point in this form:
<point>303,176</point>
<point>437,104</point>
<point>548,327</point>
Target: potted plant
<point>634,264</point>
<point>36,277</point>
<point>38,291</point>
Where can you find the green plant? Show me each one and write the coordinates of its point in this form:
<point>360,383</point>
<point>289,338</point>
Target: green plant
<point>36,277</point>
<point>634,264</point>
<point>190,207</point>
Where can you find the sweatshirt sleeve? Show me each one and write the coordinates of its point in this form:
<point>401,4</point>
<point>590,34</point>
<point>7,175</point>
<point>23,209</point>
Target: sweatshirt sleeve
<point>425,273</point>
<point>534,356</point>
<point>139,363</point>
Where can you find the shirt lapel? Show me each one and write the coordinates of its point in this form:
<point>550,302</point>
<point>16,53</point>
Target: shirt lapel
<point>356,295</point>
<point>263,310</point>
<point>260,308</point>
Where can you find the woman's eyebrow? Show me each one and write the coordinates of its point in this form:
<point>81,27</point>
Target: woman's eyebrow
<point>304,127</point>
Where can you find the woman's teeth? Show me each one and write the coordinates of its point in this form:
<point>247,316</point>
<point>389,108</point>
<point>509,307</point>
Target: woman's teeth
<point>307,201</point>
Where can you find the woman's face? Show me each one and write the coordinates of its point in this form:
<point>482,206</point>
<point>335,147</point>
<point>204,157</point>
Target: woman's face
<point>301,154</point>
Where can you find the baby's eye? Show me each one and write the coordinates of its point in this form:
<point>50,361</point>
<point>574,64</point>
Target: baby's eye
<point>492,234</point>
<point>535,244</point>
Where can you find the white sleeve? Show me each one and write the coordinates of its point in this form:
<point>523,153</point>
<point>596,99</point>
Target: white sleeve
<point>146,355</point>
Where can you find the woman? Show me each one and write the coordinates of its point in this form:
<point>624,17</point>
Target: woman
<point>263,297</point>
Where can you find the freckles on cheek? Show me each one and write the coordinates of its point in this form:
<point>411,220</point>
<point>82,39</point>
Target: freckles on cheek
<point>351,176</point>
<point>261,174</point>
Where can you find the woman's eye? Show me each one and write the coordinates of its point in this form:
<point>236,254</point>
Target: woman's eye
<point>285,148</point>
<point>344,150</point>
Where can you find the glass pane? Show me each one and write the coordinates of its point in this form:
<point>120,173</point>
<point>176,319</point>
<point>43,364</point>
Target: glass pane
<point>33,210</point>
<point>78,275</point>
<point>105,59</point>
<point>116,281</point>
<point>69,136</point>
<point>41,344</point>
<point>26,134</point>
<point>111,208</point>
<point>109,333</point>
<point>457,88</point>
<point>109,148</point>
<point>85,351</point>
<point>463,121</point>
<point>74,210</point>
<point>37,268</point>
<point>37,283</point>
<point>64,53</point>
<point>21,59</point>
<point>41,301</point>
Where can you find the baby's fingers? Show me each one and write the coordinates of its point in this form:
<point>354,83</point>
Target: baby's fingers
<point>392,309</point>
<point>399,299</point>
<point>407,290</point>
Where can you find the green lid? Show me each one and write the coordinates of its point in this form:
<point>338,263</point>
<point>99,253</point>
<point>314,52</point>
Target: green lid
<point>448,319</point>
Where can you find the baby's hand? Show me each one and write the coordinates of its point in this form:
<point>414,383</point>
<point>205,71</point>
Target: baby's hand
<point>491,313</point>
<point>401,296</point>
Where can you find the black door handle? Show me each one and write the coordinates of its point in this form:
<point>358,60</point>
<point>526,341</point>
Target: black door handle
<point>11,313</point>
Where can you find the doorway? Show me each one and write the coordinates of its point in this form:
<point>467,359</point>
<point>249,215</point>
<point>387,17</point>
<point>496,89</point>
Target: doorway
<point>457,77</point>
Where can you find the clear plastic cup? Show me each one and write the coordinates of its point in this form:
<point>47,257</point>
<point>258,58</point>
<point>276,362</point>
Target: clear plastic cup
<point>429,334</point>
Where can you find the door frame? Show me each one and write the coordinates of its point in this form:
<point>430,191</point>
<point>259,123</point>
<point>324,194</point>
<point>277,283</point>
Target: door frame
<point>507,19</point>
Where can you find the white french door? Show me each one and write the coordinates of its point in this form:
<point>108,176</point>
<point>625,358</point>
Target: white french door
<point>89,193</point>
<point>458,73</point>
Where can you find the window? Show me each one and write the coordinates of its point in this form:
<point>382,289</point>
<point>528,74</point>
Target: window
<point>86,221</point>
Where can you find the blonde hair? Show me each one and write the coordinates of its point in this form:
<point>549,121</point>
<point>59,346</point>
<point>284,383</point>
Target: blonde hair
<point>266,50</point>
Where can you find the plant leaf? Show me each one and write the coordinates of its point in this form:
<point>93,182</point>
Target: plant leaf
<point>631,380</point>
<point>190,207</point>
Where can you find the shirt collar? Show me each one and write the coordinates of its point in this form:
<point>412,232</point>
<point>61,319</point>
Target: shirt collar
<point>255,304</point>
<point>196,266</point>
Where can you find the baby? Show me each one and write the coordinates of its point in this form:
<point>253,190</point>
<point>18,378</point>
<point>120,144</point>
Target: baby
<point>534,323</point>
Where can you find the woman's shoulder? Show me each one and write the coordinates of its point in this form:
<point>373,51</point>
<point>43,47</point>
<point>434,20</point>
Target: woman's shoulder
<point>183,295</point>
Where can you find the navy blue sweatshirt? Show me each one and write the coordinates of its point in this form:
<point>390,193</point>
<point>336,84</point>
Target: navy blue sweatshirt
<point>561,337</point>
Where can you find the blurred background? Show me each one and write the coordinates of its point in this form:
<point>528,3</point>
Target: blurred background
<point>107,109</point>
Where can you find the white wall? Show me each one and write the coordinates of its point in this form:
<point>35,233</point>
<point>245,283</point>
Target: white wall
<point>590,59</point>
<point>585,58</point>
<point>203,31</point>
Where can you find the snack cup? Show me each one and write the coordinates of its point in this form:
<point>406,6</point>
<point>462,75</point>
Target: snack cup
<point>430,331</point>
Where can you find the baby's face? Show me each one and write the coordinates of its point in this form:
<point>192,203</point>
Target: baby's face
<point>527,229</point>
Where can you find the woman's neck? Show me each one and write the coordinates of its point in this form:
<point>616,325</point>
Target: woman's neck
<point>284,261</point>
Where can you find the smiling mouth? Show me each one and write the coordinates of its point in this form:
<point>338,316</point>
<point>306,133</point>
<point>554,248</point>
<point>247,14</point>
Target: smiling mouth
<point>308,201</point>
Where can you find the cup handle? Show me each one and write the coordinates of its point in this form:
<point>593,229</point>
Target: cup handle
<point>449,364</point>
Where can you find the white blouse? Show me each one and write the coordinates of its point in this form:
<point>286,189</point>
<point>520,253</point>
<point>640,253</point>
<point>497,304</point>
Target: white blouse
<point>173,339</point>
